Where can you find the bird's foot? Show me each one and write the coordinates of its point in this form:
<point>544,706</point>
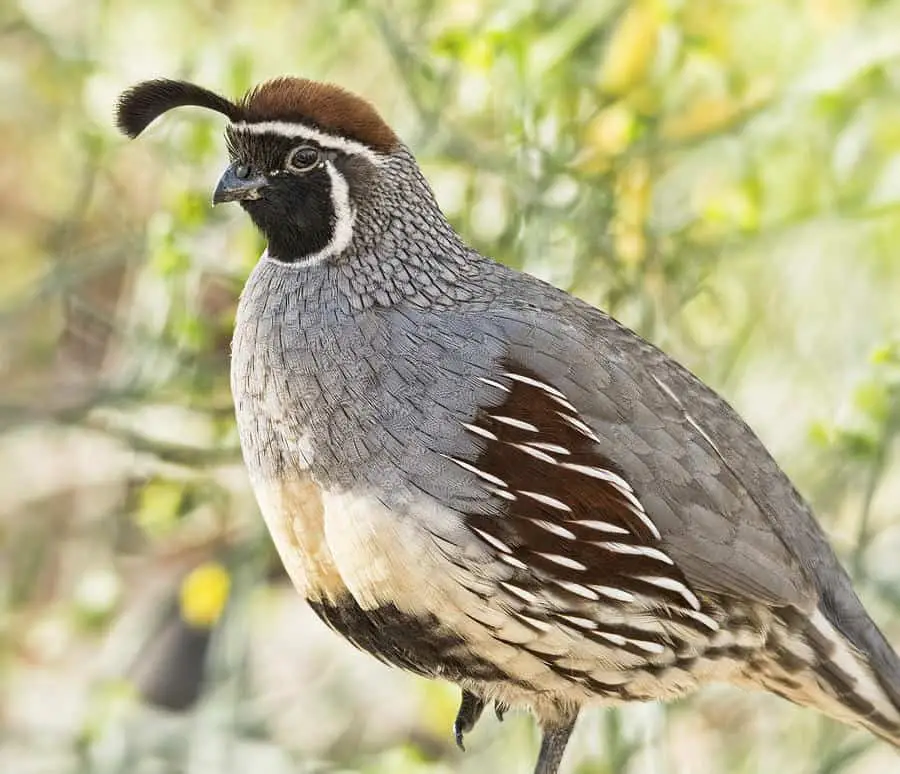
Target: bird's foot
<point>470,709</point>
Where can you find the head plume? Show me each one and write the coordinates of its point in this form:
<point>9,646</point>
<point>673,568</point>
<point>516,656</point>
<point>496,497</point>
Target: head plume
<point>140,105</point>
<point>321,105</point>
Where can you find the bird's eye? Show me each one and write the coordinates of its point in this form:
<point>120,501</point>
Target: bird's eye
<point>302,158</point>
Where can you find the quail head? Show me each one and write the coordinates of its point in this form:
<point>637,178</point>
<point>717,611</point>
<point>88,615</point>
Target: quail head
<point>475,476</point>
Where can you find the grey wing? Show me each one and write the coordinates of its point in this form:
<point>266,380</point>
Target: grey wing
<point>708,487</point>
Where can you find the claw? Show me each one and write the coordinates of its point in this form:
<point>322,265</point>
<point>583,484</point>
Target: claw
<point>500,709</point>
<point>470,709</point>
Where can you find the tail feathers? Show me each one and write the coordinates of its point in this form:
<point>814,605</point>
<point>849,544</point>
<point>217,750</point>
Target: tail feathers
<point>820,668</point>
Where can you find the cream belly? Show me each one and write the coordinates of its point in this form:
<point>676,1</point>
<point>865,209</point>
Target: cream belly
<point>372,575</point>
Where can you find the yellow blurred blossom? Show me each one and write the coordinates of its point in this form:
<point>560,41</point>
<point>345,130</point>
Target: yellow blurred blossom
<point>204,594</point>
<point>712,112</point>
<point>632,47</point>
<point>607,135</point>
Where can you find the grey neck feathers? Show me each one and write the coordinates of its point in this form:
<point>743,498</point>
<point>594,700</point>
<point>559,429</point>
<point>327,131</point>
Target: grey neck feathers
<point>403,250</point>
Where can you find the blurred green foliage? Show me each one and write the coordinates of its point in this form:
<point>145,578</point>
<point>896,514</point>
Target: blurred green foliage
<point>723,175</point>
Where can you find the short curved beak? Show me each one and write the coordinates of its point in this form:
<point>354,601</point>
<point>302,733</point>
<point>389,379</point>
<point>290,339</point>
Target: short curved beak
<point>232,188</point>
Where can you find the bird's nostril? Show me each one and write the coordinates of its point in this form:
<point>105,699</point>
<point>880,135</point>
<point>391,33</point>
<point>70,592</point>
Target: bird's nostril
<point>242,171</point>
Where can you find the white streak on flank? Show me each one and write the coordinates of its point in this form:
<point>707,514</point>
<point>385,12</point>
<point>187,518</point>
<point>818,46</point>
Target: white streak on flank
<point>513,422</point>
<point>622,486</point>
<point>536,453</point>
<point>625,548</point>
<point>512,561</point>
<point>618,639</point>
<point>550,502</point>
<point>480,431</point>
<point>556,529</point>
<point>580,426</point>
<point>344,218</point>
<point>578,589</point>
<point>549,389</point>
<point>648,646</point>
<point>518,591</point>
<point>477,471</point>
<point>613,593</point>
<point>604,526</point>
<point>548,447</point>
<point>844,658</point>
<point>301,131</point>
<point>502,493</point>
<point>495,542</point>
<point>564,561</point>
<point>565,404</point>
<point>691,421</point>
<point>577,620</point>
<point>645,520</point>
<point>708,622</point>
<point>594,472</point>
<point>668,391</point>
<point>544,626</point>
<point>492,383</point>
<point>671,584</point>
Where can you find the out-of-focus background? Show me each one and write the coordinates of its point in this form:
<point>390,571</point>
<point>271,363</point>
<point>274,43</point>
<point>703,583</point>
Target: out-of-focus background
<point>722,175</point>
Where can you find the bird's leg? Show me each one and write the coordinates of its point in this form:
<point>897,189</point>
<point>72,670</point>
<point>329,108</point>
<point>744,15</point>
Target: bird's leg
<point>553,745</point>
<point>469,711</point>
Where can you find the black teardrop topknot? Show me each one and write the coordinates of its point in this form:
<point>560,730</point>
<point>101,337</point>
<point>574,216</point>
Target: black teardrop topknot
<point>143,103</point>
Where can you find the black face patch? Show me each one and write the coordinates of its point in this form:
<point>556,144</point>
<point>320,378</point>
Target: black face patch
<point>295,211</point>
<point>418,644</point>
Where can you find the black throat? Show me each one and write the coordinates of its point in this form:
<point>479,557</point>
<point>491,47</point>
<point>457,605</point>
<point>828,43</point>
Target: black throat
<point>297,216</point>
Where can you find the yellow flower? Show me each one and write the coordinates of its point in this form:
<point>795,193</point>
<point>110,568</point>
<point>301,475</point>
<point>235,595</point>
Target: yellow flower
<point>204,594</point>
<point>632,47</point>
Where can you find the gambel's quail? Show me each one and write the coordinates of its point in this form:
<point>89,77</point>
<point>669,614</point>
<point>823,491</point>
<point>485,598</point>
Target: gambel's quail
<point>475,476</point>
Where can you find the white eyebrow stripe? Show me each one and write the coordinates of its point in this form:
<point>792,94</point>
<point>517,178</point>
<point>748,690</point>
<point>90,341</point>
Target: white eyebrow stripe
<point>300,131</point>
